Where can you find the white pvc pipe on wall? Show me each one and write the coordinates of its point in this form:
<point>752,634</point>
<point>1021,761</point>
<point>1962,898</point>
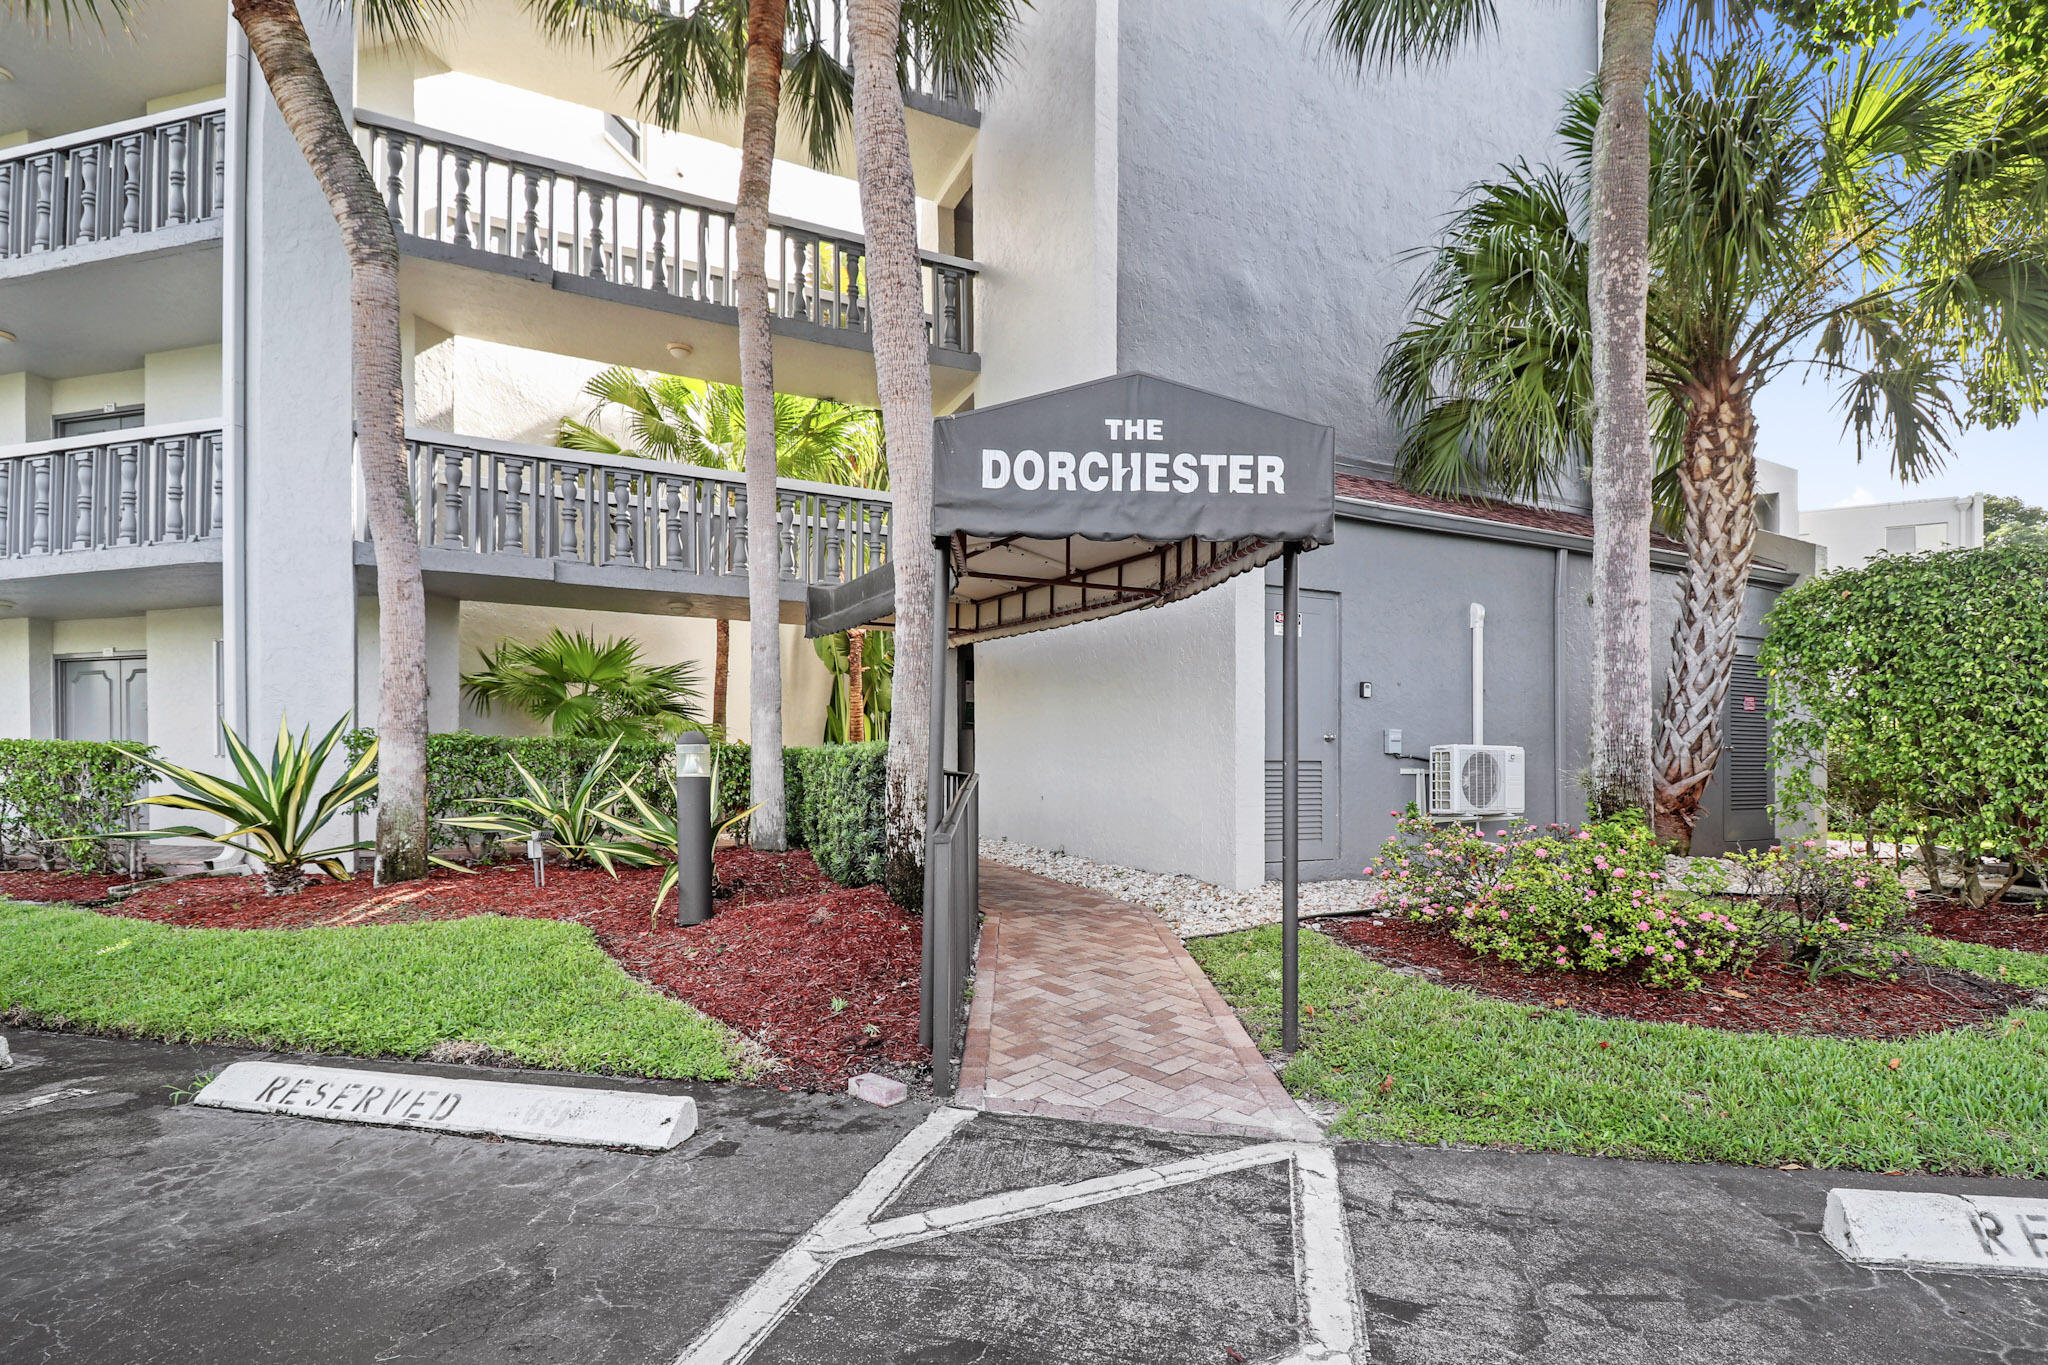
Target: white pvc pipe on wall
<point>1478,623</point>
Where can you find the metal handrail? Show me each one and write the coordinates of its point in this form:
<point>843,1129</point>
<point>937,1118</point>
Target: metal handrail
<point>952,926</point>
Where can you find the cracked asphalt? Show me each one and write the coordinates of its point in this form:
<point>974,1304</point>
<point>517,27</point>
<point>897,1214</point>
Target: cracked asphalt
<point>134,1230</point>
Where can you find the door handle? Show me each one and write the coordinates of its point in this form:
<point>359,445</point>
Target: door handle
<point>1329,739</point>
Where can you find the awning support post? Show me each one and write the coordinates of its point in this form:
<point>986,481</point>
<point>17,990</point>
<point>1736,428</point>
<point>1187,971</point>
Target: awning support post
<point>1290,800</point>
<point>935,766</point>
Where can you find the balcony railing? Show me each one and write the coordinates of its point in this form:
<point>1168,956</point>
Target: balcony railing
<point>495,498</point>
<point>145,486</point>
<point>117,181</point>
<point>475,197</point>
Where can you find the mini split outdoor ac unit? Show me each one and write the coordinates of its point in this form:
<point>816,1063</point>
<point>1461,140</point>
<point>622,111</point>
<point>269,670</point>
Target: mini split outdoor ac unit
<point>1471,780</point>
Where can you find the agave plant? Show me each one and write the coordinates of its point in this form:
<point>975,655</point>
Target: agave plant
<point>656,833</point>
<point>575,824</point>
<point>269,810</point>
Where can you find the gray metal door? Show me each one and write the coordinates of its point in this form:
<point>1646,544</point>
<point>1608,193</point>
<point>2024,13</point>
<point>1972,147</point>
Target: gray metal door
<point>1745,768</point>
<point>1320,739</point>
<point>103,699</point>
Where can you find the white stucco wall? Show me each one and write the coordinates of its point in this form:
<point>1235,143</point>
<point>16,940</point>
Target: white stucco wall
<point>180,386</point>
<point>1137,740</point>
<point>24,407</point>
<point>806,684</point>
<point>1857,534</point>
<point>27,679</point>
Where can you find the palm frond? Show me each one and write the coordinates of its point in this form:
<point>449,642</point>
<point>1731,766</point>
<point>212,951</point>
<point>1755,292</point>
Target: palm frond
<point>1384,34</point>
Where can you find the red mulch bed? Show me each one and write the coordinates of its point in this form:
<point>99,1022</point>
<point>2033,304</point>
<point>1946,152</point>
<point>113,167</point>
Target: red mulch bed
<point>784,942</point>
<point>79,888</point>
<point>2014,924</point>
<point>1768,998</point>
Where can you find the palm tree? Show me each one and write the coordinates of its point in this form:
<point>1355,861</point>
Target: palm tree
<point>965,42</point>
<point>693,421</point>
<point>1802,213</point>
<point>696,422</point>
<point>1387,32</point>
<point>585,688</point>
<point>283,51</point>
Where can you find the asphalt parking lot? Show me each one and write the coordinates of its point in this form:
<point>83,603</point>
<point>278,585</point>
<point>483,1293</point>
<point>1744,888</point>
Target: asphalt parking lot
<point>138,1230</point>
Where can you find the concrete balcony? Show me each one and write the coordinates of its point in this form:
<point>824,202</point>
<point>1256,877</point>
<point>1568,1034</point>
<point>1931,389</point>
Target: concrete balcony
<point>497,40</point>
<point>516,248</point>
<point>539,525</point>
<point>110,241</point>
<point>114,523</point>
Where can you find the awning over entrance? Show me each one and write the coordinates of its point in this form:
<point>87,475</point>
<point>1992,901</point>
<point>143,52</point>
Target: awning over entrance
<point>1131,491</point>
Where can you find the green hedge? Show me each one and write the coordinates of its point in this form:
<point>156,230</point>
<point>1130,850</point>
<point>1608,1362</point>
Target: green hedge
<point>834,792</point>
<point>52,790</point>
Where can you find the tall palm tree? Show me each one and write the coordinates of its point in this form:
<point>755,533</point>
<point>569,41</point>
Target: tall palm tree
<point>284,53</point>
<point>965,43</point>
<point>1384,33</point>
<point>1802,213</point>
<point>721,54</point>
<point>696,422</point>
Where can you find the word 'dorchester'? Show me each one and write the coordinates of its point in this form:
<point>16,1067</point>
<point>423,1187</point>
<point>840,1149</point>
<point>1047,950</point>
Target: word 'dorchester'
<point>1133,471</point>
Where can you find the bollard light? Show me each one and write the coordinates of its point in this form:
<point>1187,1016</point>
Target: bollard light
<point>537,854</point>
<point>693,828</point>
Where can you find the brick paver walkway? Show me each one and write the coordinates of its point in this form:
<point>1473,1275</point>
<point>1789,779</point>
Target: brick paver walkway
<point>1086,1007</point>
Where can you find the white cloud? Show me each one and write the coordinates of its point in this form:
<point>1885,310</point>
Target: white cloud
<point>1862,497</point>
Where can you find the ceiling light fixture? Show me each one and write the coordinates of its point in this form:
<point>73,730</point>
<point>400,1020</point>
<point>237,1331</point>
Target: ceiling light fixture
<point>6,335</point>
<point>680,349</point>
<point>5,74</point>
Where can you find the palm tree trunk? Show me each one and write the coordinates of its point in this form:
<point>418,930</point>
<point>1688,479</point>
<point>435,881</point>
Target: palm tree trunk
<point>278,41</point>
<point>1618,288</point>
<point>721,661</point>
<point>856,700</point>
<point>903,379</point>
<point>765,22</point>
<point>1718,477</point>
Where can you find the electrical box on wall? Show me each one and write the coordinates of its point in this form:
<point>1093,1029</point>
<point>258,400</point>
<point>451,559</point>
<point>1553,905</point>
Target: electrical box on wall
<point>1365,691</point>
<point>1393,742</point>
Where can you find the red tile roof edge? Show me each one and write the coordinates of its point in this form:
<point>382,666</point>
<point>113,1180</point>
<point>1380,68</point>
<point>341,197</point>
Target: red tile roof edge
<point>1390,494</point>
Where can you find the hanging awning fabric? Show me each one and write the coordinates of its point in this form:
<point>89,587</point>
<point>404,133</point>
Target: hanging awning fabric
<point>1125,492</point>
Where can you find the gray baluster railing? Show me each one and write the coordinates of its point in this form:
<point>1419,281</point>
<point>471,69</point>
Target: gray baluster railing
<point>470,196</point>
<point>145,486</point>
<point>540,502</point>
<point>138,176</point>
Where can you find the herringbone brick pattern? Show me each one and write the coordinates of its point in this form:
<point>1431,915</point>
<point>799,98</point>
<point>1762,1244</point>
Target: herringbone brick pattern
<point>1087,1007</point>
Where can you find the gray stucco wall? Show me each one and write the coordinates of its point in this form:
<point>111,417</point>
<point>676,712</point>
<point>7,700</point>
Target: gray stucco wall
<point>1267,194</point>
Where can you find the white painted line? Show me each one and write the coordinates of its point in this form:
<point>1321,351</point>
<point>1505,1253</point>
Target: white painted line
<point>1332,1322</point>
<point>748,1320</point>
<point>1040,1200</point>
<point>541,1113</point>
<point>1902,1228</point>
<point>22,1106</point>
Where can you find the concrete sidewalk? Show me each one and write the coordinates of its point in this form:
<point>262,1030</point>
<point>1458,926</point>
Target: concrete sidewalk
<point>1087,1007</point>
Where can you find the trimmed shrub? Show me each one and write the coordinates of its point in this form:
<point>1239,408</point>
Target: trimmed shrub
<point>834,791</point>
<point>1593,901</point>
<point>837,796</point>
<point>1823,913</point>
<point>55,790</point>
<point>1431,870</point>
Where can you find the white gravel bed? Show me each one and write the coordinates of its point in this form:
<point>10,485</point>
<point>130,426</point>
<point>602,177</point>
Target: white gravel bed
<point>1191,906</point>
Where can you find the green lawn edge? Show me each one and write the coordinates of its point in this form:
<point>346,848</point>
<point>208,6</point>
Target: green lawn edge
<point>540,991</point>
<point>1478,1072</point>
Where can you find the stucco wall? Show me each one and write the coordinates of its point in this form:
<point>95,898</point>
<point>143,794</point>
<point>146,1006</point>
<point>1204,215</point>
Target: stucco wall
<point>1268,194</point>
<point>1045,205</point>
<point>183,385</point>
<point>27,682</point>
<point>1857,534</point>
<point>1135,739</point>
<point>806,684</point>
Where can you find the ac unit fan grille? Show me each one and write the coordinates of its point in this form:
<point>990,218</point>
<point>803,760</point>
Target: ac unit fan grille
<point>1480,780</point>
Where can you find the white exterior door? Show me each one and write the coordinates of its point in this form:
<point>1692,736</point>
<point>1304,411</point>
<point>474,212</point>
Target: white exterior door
<point>103,698</point>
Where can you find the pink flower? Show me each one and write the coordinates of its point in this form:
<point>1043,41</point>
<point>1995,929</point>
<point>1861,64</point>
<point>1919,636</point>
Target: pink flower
<point>1541,852</point>
<point>1583,834</point>
<point>1642,926</point>
<point>1678,943</point>
<point>1503,914</point>
<point>1599,937</point>
<point>1664,956</point>
<point>1861,883</point>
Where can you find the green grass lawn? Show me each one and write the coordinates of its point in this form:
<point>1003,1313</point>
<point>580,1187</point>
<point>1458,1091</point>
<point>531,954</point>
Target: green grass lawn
<point>541,991</point>
<point>1470,1070</point>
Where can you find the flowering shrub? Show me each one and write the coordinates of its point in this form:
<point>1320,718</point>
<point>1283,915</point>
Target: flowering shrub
<point>1594,900</point>
<point>1825,914</point>
<point>1432,871</point>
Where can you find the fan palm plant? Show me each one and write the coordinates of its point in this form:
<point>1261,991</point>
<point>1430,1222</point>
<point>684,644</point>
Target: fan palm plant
<point>585,688</point>
<point>1384,33</point>
<point>1803,214</point>
<point>269,809</point>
